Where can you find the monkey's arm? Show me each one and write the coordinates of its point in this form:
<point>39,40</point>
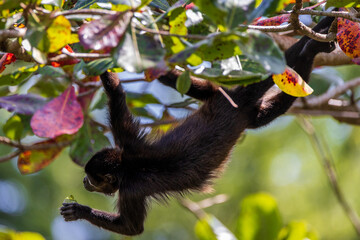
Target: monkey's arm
<point>199,89</point>
<point>128,222</point>
<point>124,127</point>
<point>300,57</point>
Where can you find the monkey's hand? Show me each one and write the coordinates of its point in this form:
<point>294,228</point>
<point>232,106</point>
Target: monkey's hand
<point>74,211</point>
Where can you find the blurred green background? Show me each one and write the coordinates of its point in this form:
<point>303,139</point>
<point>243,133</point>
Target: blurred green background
<point>277,159</point>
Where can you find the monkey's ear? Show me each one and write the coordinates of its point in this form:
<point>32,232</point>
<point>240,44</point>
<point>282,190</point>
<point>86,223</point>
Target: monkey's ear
<point>109,178</point>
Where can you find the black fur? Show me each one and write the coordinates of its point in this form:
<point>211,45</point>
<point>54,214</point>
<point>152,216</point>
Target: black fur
<point>188,157</point>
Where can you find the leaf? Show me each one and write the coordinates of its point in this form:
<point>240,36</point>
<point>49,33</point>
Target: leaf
<point>210,228</point>
<point>177,18</point>
<point>264,50</point>
<point>6,59</point>
<point>269,7</point>
<point>97,67</point>
<point>155,72</point>
<point>225,77</point>
<point>138,52</point>
<point>222,46</point>
<point>298,230</point>
<point>105,32</point>
<point>70,199</point>
<point>273,21</point>
<point>12,235</point>
<point>342,3</point>
<point>58,34</point>
<point>212,10</point>
<point>348,37</point>
<point>183,82</point>
<point>17,76</point>
<point>25,104</point>
<point>89,140</point>
<point>13,128</point>
<point>161,4</point>
<point>62,115</point>
<point>291,83</point>
<point>259,218</point>
<point>35,160</point>
<point>140,99</point>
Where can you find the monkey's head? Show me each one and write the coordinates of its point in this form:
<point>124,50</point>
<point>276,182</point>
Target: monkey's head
<point>103,171</point>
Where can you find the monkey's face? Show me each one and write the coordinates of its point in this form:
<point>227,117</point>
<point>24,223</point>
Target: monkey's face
<point>107,184</point>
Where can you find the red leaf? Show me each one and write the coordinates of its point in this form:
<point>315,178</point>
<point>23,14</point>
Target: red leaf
<point>348,37</point>
<point>62,115</point>
<point>6,59</point>
<point>273,21</point>
<point>190,6</point>
<point>105,32</point>
<point>70,61</point>
<point>35,160</point>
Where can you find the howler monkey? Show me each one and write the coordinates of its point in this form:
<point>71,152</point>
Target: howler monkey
<point>188,157</point>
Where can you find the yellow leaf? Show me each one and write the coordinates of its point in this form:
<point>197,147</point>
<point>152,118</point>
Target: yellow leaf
<point>59,33</point>
<point>291,83</point>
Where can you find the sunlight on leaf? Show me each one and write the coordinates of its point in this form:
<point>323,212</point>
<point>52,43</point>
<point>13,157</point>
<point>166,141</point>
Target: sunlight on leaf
<point>259,218</point>
<point>58,33</point>
<point>298,230</point>
<point>12,235</point>
<point>291,83</point>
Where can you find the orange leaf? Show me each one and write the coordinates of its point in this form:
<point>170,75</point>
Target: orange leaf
<point>348,37</point>
<point>62,115</point>
<point>291,83</point>
<point>35,160</point>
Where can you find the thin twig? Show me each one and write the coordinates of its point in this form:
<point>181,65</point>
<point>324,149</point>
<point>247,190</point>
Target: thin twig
<point>228,97</point>
<point>165,33</point>
<point>10,156</point>
<point>332,93</point>
<point>100,12</point>
<point>281,28</point>
<point>341,14</point>
<point>326,160</point>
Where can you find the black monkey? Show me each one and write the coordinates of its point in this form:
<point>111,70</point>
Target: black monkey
<point>188,157</point>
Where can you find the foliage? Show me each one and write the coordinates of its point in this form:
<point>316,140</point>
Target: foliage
<point>53,91</point>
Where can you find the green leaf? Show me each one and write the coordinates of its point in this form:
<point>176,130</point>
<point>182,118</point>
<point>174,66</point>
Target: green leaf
<point>17,76</point>
<point>224,77</point>
<point>161,4</point>
<point>262,49</point>
<point>183,82</point>
<point>203,230</point>
<point>138,52</point>
<point>298,230</point>
<point>213,11</point>
<point>97,67</point>
<point>6,234</point>
<point>140,99</point>
<point>259,218</point>
<point>13,128</point>
<point>210,228</point>
<point>342,3</point>
<point>222,46</point>
<point>89,140</point>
